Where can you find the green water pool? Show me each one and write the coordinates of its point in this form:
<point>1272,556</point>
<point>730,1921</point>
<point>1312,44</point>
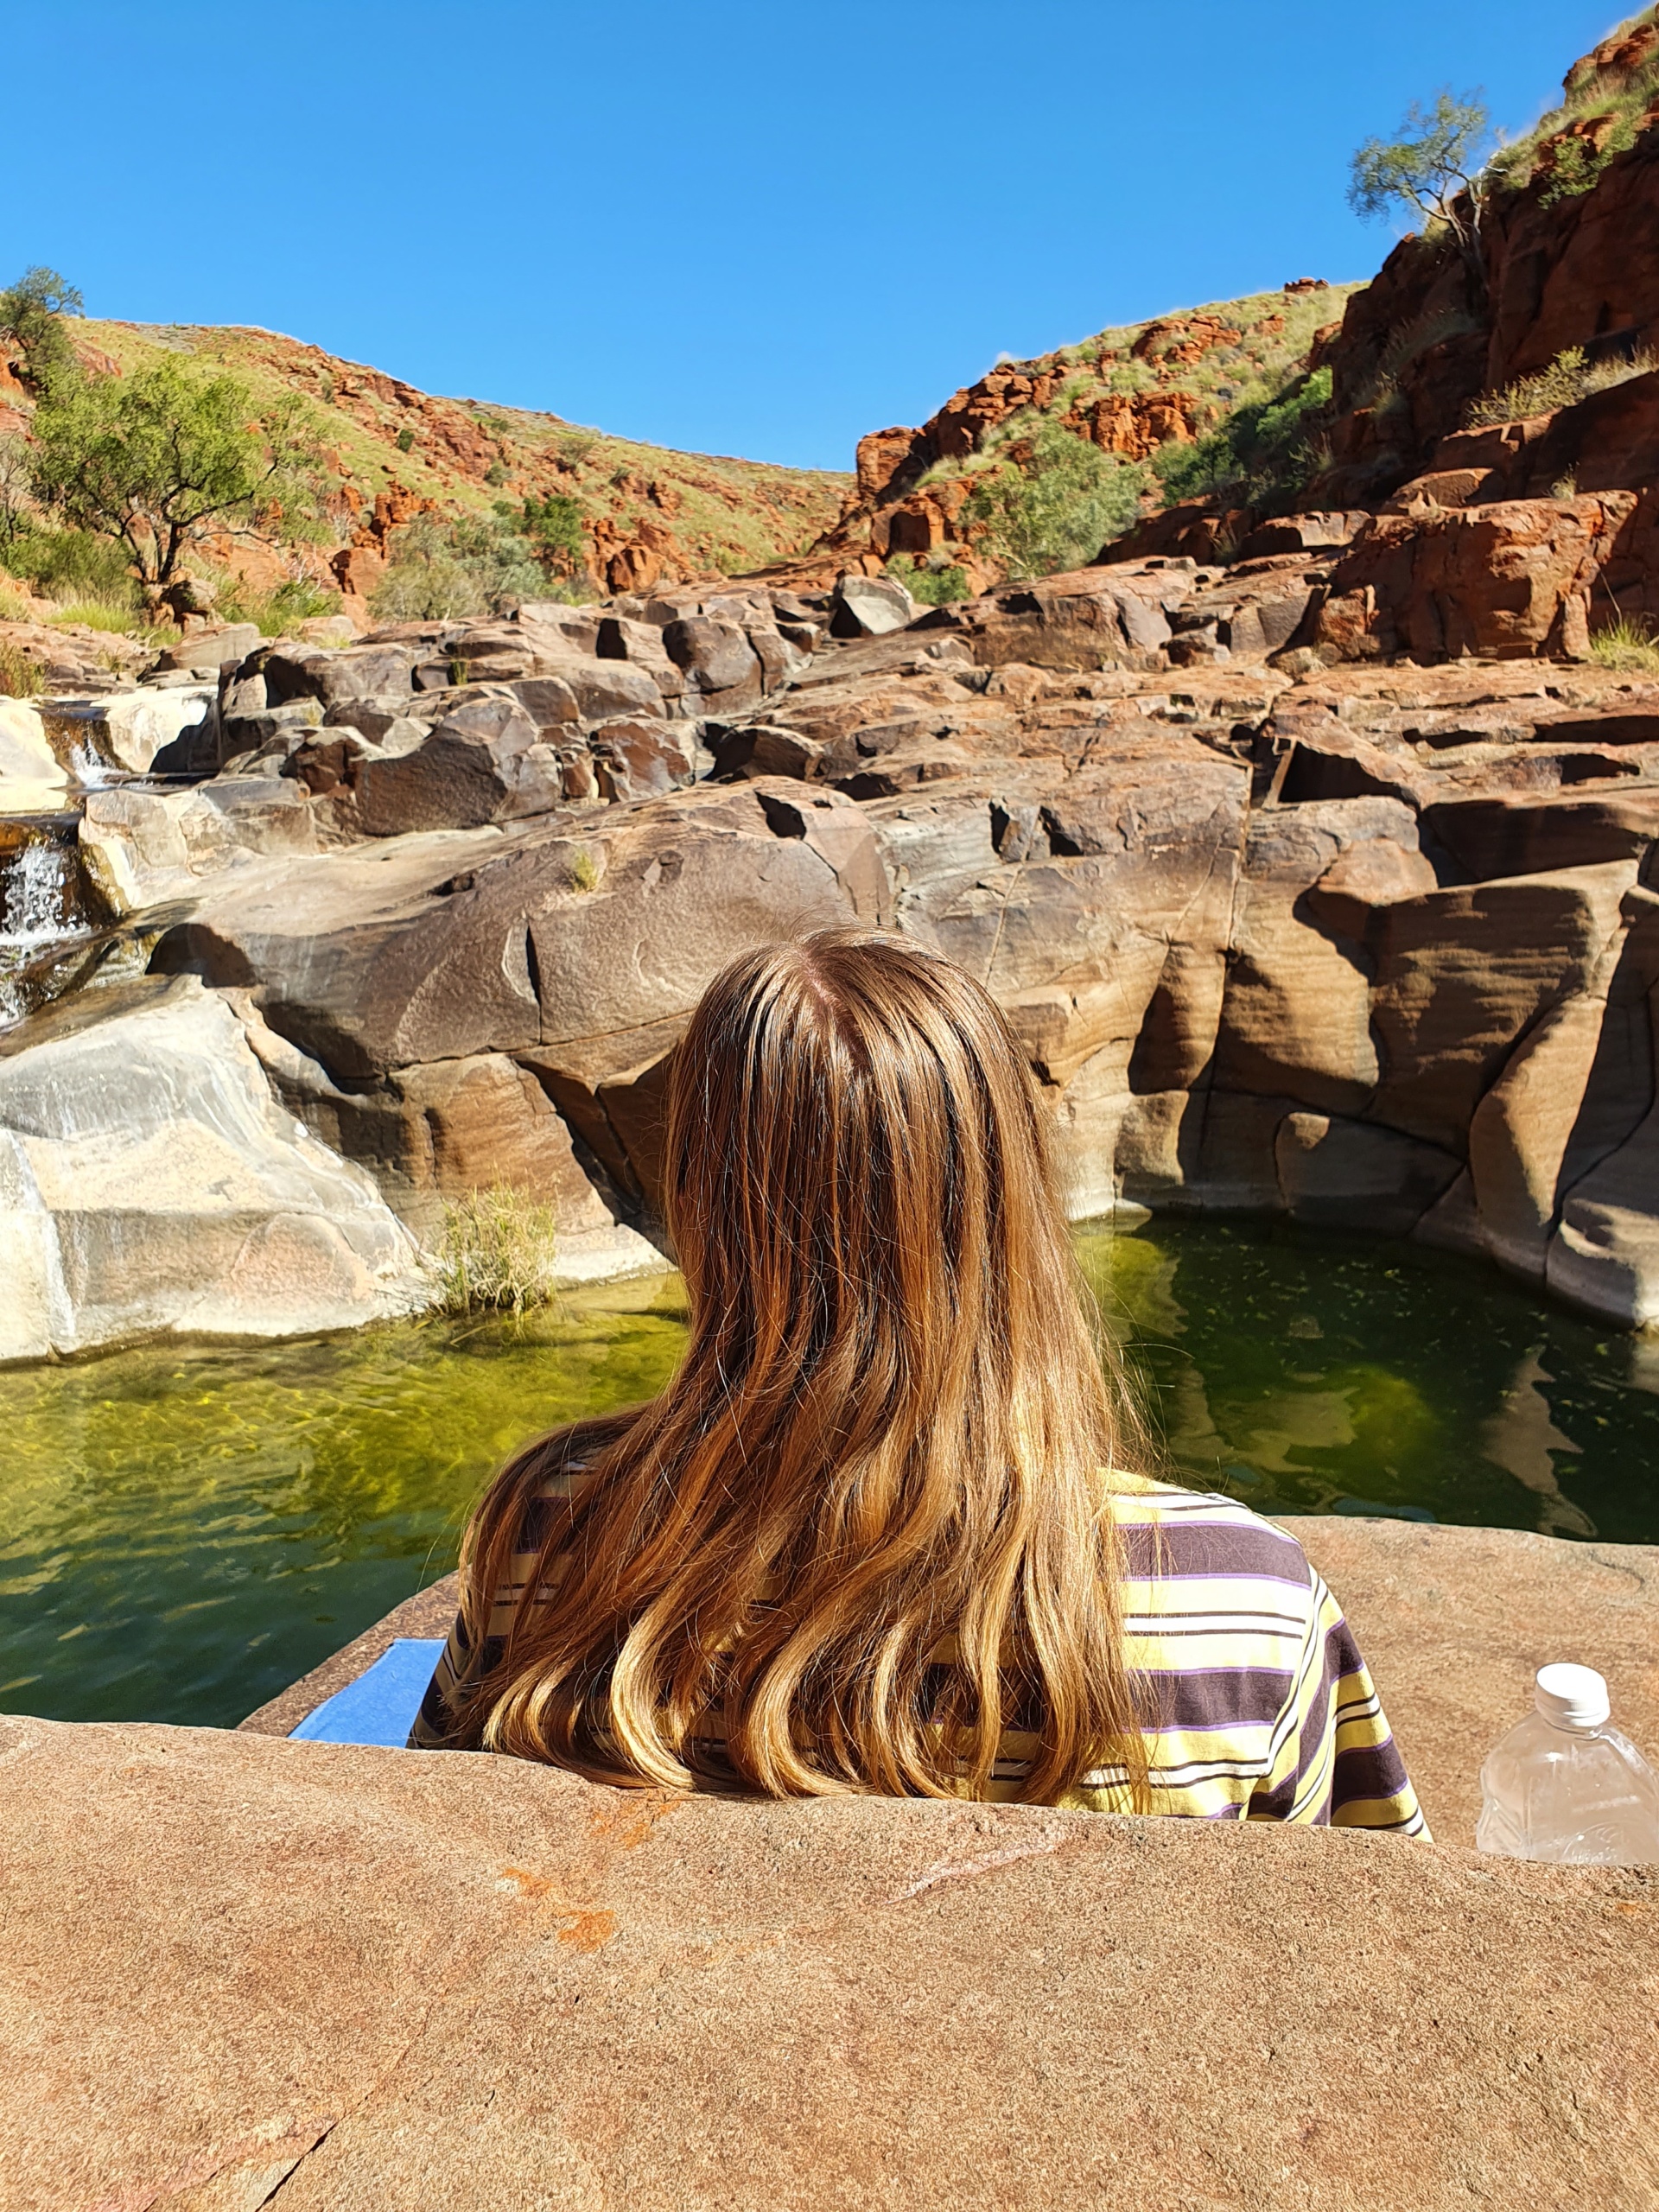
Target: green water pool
<point>187,1530</point>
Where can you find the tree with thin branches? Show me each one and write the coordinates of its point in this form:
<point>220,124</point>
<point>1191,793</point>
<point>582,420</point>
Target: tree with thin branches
<point>1434,167</point>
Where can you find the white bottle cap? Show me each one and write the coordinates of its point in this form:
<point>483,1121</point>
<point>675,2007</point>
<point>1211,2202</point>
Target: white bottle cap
<point>1571,1697</point>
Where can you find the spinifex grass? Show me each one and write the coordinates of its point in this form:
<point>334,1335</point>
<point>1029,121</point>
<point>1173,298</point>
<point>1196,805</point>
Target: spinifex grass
<point>495,1253</point>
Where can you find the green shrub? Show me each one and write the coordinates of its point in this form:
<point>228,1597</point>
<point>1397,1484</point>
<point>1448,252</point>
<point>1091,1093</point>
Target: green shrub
<point>932,587</point>
<point>70,564</point>
<point>553,526</point>
<point>446,571</point>
<point>1576,165</point>
<point>405,439</point>
<point>1057,510</point>
<point>1261,454</point>
<point>1627,646</point>
<point>495,1253</point>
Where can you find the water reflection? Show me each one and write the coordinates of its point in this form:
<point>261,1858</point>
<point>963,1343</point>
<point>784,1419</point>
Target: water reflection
<point>187,1529</point>
<point>1315,1373</point>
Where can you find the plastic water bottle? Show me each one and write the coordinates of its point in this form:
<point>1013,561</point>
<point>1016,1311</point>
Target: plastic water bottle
<point>1564,1786</point>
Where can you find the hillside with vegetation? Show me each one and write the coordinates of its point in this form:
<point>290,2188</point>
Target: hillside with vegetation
<point>475,503</point>
<point>1037,464</point>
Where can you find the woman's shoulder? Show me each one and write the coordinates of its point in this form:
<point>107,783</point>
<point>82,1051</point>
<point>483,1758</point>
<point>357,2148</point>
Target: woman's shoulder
<point>1169,1530</point>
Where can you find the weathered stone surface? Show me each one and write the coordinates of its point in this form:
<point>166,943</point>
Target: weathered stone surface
<point>430,1134</point>
<point>1510,578</point>
<point>149,1183</point>
<point>1463,973</point>
<point>145,848</point>
<point>636,759</point>
<point>1334,1172</point>
<point>1298,1011</point>
<point>564,939</point>
<point>374,1979</point>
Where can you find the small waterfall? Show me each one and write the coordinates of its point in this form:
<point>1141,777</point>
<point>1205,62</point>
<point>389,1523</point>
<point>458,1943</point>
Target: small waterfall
<point>39,916</point>
<point>34,910</point>
<point>88,770</point>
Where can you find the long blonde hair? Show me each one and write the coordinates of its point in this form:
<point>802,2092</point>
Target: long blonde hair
<point>866,1521</point>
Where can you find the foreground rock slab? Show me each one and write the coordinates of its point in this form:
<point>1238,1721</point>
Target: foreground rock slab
<point>1454,1622</point>
<point>374,1981</point>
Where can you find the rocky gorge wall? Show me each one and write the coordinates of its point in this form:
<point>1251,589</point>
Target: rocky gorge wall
<point>1363,939</point>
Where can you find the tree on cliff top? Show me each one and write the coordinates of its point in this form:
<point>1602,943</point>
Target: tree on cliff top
<point>1431,168</point>
<point>154,460</point>
<point>31,312</point>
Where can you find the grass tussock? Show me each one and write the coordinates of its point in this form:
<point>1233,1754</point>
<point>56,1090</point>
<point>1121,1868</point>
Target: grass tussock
<point>1569,377</point>
<point>20,676</point>
<point>97,615</point>
<point>276,613</point>
<point>1627,646</point>
<point>495,1253</point>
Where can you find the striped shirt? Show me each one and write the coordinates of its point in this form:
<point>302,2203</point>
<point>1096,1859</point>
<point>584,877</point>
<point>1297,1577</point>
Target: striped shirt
<point>1255,1702</point>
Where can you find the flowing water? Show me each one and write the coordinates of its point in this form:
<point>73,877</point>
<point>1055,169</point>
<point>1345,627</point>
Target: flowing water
<point>39,913</point>
<point>188,1530</point>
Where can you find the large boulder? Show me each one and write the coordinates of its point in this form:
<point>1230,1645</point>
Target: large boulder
<point>150,1186</point>
<point>577,945</point>
<point>484,762</point>
<point>136,730</point>
<point>718,662</point>
<point>869,606</point>
<point>430,1135</point>
<point>144,849</point>
<point>1510,578</point>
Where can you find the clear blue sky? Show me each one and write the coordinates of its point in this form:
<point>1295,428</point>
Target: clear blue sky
<point>737,226</point>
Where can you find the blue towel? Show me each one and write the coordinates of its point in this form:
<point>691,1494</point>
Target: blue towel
<point>380,1706</point>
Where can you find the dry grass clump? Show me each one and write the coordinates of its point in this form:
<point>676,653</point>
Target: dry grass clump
<point>1627,646</point>
<point>495,1253</point>
<point>20,676</point>
<point>1569,378</point>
